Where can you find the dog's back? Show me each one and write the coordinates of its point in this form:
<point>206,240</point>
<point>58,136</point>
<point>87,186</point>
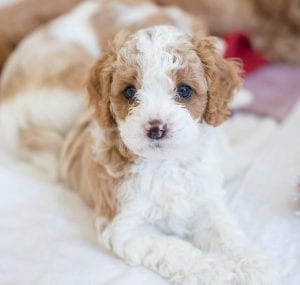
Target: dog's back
<point>42,86</point>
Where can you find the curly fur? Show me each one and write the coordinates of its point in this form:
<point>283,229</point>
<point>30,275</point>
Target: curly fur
<point>223,77</point>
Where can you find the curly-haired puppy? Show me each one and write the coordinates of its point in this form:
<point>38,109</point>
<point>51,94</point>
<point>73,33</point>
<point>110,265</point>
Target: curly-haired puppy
<point>145,152</point>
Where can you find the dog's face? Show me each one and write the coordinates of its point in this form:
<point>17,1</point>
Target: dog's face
<point>157,86</point>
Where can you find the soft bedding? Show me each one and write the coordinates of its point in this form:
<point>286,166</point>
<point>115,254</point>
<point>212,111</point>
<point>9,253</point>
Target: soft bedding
<point>265,199</point>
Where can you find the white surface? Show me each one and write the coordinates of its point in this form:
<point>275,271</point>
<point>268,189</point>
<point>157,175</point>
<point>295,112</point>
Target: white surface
<point>265,199</point>
<point>47,237</point>
<point>47,234</point>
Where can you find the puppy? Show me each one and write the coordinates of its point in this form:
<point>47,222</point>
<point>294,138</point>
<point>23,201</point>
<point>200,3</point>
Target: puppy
<point>144,153</point>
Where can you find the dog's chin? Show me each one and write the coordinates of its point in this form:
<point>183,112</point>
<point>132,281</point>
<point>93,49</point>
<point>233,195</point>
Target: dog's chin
<point>161,149</point>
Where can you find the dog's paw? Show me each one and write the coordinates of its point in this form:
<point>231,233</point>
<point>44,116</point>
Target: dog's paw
<point>253,269</point>
<point>205,270</point>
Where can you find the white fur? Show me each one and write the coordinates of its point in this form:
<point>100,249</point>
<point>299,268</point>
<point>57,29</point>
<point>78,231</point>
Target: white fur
<point>156,96</point>
<point>171,214</point>
<point>180,18</point>
<point>128,14</point>
<point>44,107</point>
<point>76,27</point>
<point>172,217</point>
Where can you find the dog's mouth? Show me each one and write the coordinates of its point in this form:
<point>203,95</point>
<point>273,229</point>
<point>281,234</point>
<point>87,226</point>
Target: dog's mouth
<point>158,149</point>
<point>166,142</point>
<point>156,145</point>
<point>172,143</point>
<point>161,141</point>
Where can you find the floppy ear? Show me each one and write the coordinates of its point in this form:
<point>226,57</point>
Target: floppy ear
<point>99,88</point>
<point>100,80</point>
<point>223,78</point>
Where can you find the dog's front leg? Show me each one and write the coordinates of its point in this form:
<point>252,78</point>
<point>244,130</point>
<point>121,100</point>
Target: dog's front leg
<point>173,258</point>
<point>216,230</point>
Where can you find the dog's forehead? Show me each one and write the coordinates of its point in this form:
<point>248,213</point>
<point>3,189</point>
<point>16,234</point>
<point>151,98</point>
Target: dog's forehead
<point>162,45</point>
<point>160,37</point>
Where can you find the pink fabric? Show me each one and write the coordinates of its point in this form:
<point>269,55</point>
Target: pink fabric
<point>276,89</point>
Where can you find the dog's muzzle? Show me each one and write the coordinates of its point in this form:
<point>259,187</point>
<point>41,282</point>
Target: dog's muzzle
<point>155,129</point>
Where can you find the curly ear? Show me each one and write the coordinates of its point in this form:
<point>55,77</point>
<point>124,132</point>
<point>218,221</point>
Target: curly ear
<point>99,88</point>
<point>223,78</point>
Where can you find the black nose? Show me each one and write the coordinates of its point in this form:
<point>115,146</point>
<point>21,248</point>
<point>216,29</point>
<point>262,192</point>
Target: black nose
<point>156,133</point>
<point>156,130</point>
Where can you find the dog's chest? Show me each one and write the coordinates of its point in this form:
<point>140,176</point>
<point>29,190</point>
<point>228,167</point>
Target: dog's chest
<point>168,194</point>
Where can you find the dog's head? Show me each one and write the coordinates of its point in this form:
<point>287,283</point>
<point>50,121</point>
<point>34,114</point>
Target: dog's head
<point>156,86</point>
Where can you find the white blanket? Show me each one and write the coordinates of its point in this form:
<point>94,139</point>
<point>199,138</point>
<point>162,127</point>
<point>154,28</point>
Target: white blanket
<point>47,233</point>
<point>265,199</point>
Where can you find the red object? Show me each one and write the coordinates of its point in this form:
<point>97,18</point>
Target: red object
<point>239,46</point>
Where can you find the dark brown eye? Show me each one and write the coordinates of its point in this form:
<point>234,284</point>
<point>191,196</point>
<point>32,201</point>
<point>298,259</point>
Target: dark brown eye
<point>129,92</point>
<point>184,91</point>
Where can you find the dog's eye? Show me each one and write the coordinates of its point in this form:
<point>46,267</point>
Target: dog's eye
<point>129,92</point>
<point>184,91</point>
